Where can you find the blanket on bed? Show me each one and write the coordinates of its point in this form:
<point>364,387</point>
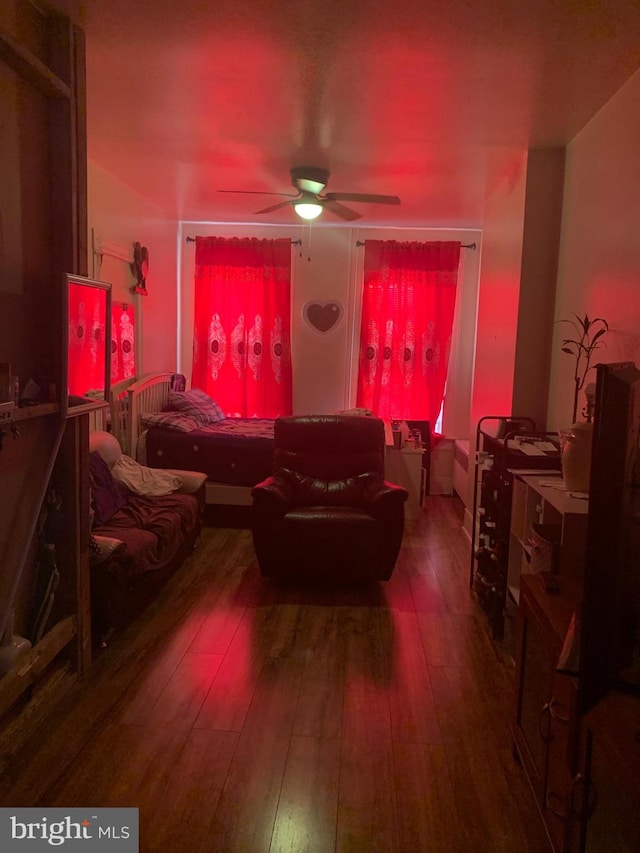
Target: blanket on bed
<point>152,529</point>
<point>234,451</point>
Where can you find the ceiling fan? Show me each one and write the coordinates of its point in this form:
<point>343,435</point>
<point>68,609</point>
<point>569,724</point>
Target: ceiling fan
<point>309,202</point>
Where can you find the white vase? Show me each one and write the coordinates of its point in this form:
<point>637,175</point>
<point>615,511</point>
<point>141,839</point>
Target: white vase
<point>576,456</point>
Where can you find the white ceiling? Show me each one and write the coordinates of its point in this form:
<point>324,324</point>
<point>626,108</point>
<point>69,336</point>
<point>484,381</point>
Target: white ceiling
<point>425,100</point>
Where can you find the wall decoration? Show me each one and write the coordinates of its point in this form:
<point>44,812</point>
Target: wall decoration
<point>123,351</point>
<point>322,317</point>
<point>140,268</point>
<point>87,340</point>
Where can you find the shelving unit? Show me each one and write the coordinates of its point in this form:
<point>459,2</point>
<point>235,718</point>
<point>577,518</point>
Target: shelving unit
<point>545,730</point>
<point>538,499</point>
<point>503,444</point>
<point>576,726</point>
<point>44,151</point>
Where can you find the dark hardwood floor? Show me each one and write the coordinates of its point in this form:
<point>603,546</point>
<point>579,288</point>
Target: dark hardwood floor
<point>241,715</point>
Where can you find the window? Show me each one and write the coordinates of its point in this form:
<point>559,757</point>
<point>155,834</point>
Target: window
<point>242,342</point>
<point>408,302</point>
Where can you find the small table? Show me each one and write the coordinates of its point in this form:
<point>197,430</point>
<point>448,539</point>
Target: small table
<point>404,467</point>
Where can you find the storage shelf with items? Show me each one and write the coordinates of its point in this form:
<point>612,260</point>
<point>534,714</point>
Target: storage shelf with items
<point>407,461</point>
<point>548,531</point>
<point>504,444</point>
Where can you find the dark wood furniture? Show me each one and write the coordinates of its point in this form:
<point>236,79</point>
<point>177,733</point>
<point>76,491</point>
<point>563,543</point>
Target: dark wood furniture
<point>497,457</point>
<point>43,175</point>
<point>545,728</point>
<point>576,726</point>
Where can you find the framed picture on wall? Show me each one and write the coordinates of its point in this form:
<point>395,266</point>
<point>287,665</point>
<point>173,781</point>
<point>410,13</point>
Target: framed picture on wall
<point>87,342</point>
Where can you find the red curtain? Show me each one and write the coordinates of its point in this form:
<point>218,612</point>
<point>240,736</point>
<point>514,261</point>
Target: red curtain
<point>407,315</point>
<point>123,354</point>
<point>242,342</point>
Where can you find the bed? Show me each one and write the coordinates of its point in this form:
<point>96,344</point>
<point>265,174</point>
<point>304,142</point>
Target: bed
<point>118,408</point>
<point>234,453</point>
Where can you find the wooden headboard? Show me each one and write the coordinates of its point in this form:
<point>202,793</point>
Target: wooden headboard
<point>145,396</point>
<point>119,408</point>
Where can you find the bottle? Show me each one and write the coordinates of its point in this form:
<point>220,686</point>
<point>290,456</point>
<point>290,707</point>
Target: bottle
<point>404,433</point>
<point>12,647</point>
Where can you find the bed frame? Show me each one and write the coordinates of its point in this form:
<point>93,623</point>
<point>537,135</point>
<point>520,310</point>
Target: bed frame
<point>149,395</point>
<point>118,406</point>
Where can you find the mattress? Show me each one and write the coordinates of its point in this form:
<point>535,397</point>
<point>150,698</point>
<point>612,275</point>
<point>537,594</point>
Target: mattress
<point>234,451</point>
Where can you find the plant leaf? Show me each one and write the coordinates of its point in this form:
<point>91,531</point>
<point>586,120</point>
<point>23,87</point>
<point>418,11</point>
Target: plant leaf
<point>566,349</point>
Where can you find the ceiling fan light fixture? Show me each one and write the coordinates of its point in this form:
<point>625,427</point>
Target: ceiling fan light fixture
<point>308,209</point>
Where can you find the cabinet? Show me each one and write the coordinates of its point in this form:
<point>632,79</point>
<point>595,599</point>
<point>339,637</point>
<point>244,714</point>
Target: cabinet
<point>503,445</point>
<point>535,499</point>
<point>546,730</point>
<point>607,791</point>
<point>404,467</point>
<point>547,727</point>
<point>579,737</point>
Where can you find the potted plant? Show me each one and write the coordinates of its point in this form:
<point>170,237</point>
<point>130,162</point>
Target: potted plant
<point>587,339</point>
<point>576,441</point>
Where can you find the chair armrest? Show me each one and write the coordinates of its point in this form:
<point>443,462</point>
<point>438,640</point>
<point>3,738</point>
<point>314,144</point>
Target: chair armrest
<point>107,545</point>
<point>272,494</point>
<point>386,500</point>
<point>191,480</point>
<point>385,493</point>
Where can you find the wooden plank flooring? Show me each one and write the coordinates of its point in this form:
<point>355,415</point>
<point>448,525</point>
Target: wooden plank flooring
<point>240,715</point>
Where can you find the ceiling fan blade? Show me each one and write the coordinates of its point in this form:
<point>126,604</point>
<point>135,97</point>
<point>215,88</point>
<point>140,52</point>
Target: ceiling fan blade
<point>260,192</point>
<point>277,206</point>
<point>340,210</point>
<point>371,198</point>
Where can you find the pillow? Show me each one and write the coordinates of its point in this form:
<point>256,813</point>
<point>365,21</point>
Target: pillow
<point>107,495</point>
<point>142,480</point>
<point>355,411</point>
<point>169,420</point>
<point>196,404</point>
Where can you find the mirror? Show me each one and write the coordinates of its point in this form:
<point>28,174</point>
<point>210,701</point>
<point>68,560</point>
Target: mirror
<point>88,340</point>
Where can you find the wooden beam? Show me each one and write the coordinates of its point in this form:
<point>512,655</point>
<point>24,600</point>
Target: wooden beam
<point>27,65</point>
<point>31,665</point>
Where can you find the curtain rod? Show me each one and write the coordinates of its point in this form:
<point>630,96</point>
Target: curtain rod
<point>472,246</point>
<point>293,242</point>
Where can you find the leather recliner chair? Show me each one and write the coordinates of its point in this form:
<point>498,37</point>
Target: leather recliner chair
<point>327,513</point>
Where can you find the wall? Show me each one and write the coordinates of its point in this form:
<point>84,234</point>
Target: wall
<point>118,215</point>
<point>599,268</point>
<point>499,291</point>
<point>498,299</point>
<point>329,267</point>
<point>539,272</point>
